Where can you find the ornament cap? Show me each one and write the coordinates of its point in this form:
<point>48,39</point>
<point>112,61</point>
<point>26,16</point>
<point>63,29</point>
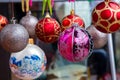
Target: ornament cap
<point>13,20</point>
<point>47,15</point>
<point>72,12</point>
<point>31,41</point>
<point>28,13</point>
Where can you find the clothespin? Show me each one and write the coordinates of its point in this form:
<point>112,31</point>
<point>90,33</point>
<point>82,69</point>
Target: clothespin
<point>25,5</point>
<point>46,5</point>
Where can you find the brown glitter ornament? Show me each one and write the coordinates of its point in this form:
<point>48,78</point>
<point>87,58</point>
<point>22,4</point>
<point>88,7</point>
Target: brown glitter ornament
<point>14,37</point>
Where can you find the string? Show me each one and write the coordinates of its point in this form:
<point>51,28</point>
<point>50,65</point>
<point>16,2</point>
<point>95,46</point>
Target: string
<point>47,4</point>
<point>25,7</point>
<point>12,9</point>
<point>74,8</point>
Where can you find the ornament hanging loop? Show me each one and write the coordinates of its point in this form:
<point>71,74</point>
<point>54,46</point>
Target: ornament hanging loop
<point>25,5</point>
<point>47,5</point>
<point>107,0</point>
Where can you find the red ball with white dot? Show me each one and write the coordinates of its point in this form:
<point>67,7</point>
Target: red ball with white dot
<point>3,21</point>
<point>106,16</point>
<point>70,19</point>
<point>48,29</point>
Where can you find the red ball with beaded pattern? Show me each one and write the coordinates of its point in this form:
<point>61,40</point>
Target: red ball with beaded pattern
<point>106,16</point>
<point>48,29</point>
<point>70,19</point>
<point>3,21</point>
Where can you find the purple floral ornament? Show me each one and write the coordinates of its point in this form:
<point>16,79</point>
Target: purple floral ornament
<point>75,44</point>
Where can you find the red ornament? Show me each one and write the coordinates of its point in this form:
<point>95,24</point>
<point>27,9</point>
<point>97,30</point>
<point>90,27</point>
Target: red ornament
<point>108,76</point>
<point>106,17</point>
<point>70,19</point>
<point>3,21</point>
<point>47,29</point>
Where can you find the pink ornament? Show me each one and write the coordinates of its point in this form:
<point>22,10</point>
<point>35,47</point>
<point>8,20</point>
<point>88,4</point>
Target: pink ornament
<point>75,44</point>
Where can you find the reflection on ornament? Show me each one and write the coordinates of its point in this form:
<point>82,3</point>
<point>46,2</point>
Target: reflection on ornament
<point>3,21</point>
<point>29,63</point>
<point>99,38</point>
<point>29,22</point>
<point>48,29</point>
<point>71,19</point>
<point>106,17</point>
<point>75,44</point>
<point>14,37</point>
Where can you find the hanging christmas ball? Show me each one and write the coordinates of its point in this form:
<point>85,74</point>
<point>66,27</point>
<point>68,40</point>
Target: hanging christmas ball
<point>29,22</point>
<point>75,44</point>
<point>3,21</point>
<point>48,29</point>
<point>99,38</point>
<point>106,16</point>
<point>29,63</point>
<point>14,37</point>
<point>70,19</point>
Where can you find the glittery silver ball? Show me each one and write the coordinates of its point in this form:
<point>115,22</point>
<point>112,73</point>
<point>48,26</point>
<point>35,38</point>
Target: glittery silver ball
<point>29,22</point>
<point>99,38</point>
<point>14,37</point>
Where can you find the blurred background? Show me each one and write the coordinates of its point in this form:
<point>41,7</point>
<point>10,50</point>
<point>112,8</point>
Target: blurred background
<point>96,67</point>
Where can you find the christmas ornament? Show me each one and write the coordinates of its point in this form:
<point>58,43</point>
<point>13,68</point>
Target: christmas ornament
<point>75,44</point>
<point>14,37</point>
<point>99,38</point>
<point>106,17</point>
<point>29,22</point>
<point>29,63</point>
<point>48,29</point>
<point>108,76</point>
<point>3,21</point>
<point>70,19</point>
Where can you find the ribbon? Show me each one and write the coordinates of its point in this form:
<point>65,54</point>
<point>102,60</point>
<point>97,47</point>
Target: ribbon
<point>52,3</point>
<point>47,4</point>
<point>25,9</point>
<point>90,0</point>
<point>71,0</point>
<point>30,3</point>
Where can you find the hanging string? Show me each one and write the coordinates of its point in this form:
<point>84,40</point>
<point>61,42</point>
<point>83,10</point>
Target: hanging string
<point>30,3</point>
<point>12,12</point>
<point>47,4</point>
<point>74,7</point>
<point>71,0</point>
<point>25,5</point>
<point>12,9</point>
<point>52,3</point>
